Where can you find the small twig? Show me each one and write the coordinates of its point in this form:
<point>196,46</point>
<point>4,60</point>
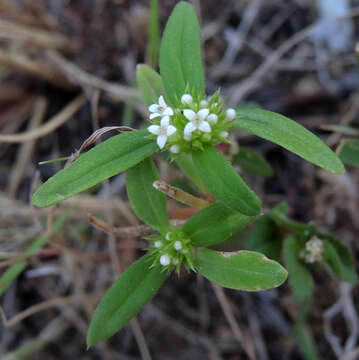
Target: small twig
<point>226,307</point>
<point>180,195</point>
<point>36,68</point>
<point>56,302</point>
<point>59,119</point>
<point>25,152</point>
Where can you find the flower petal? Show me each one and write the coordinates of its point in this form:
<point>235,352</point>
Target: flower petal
<point>190,127</point>
<point>203,113</point>
<point>154,129</point>
<point>161,141</point>
<point>154,115</point>
<point>161,102</point>
<point>204,126</point>
<point>189,114</point>
<point>153,108</point>
<point>165,121</point>
<point>168,111</point>
<point>171,130</point>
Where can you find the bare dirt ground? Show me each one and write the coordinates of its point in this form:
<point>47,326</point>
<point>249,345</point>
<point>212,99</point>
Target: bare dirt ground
<point>68,68</point>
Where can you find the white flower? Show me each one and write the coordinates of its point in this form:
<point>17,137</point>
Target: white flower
<point>196,121</point>
<point>158,244</point>
<point>187,136</point>
<point>165,260</point>
<point>203,103</point>
<point>223,134</point>
<point>163,131</point>
<point>212,118</point>
<point>160,109</point>
<point>175,149</point>
<point>231,113</point>
<point>186,99</point>
<point>177,245</point>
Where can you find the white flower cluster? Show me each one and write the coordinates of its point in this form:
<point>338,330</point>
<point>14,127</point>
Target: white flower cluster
<point>172,250</point>
<point>313,250</point>
<point>204,118</point>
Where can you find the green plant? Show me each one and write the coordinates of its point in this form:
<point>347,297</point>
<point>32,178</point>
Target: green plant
<point>188,125</point>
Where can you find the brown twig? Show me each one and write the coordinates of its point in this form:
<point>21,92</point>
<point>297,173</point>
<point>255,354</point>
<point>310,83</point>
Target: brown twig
<point>59,119</point>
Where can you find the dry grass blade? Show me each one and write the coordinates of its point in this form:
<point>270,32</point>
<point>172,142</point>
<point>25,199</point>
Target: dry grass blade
<point>59,119</point>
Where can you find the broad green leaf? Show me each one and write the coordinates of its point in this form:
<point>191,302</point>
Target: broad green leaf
<point>185,163</point>
<point>148,203</point>
<point>300,277</point>
<point>266,238</point>
<point>130,292</point>
<point>305,341</point>
<point>180,53</point>
<point>332,259</point>
<point>348,152</point>
<point>224,183</point>
<point>154,33</point>
<point>342,129</point>
<point>242,270</point>
<point>349,273</point>
<point>290,135</point>
<point>252,162</point>
<point>111,157</point>
<point>150,84</point>
<point>279,217</point>
<point>214,224</point>
<point>15,270</point>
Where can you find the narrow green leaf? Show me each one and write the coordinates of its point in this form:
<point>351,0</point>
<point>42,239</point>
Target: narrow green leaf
<point>341,129</point>
<point>180,53</point>
<point>130,292</point>
<point>154,33</point>
<point>150,84</point>
<point>15,270</point>
<point>300,277</point>
<point>349,273</point>
<point>185,163</point>
<point>224,183</point>
<point>242,270</point>
<point>278,216</point>
<point>305,341</point>
<point>266,238</point>
<point>348,152</point>
<point>103,161</point>
<point>332,259</point>
<point>252,162</point>
<point>148,203</point>
<point>290,135</point>
<point>214,224</point>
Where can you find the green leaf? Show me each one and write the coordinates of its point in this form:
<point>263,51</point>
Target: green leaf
<point>154,33</point>
<point>15,270</point>
<point>130,292</point>
<point>342,129</point>
<point>266,238</point>
<point>150,84</point>
<point>348,152</point>
<point>305,341</point>
<point>224,183</point>
<point>180,53</point>
<point>300,277</point>
<point>252,162</point>
<point>103,161</point>
<point>332,259</point>
<point>349,273</point>
<point>242,270</point>
<point>214,224</point>
<point>148,203</point>
<point>278,216</point>
<point>290,135</point>
<point>185,163</point>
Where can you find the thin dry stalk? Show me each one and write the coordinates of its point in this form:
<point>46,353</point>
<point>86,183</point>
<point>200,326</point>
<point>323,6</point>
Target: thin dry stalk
<point>59,119</point>
<point>25,152</point>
